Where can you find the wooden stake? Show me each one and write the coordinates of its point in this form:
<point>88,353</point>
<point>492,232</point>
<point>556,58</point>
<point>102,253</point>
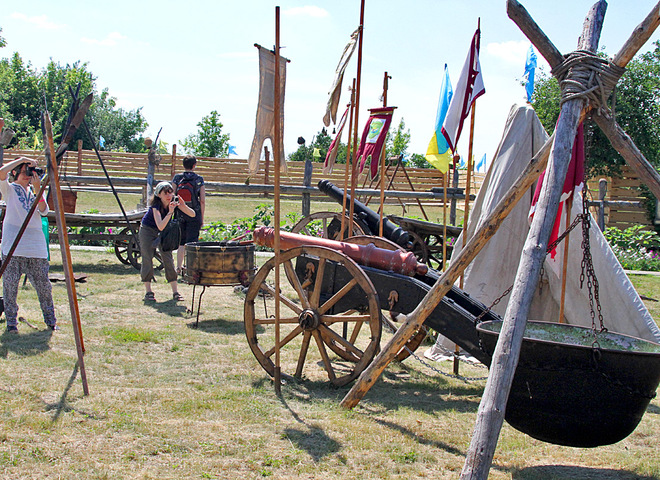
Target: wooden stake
<point>357,112</point>
<point>416,318</point>
<point>276,200</point>
<point>67,263</point>
<point>490,415</point>
<point>569,206</point>
<point>348,163</point>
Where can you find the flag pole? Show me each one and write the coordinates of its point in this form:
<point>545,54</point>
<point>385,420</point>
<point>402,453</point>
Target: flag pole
<point>276,199</point>
<point>357,111</point>
<point>348,164</point>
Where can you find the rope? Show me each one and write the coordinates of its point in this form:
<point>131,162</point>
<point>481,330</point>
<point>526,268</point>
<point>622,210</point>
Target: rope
<point>584,75</point>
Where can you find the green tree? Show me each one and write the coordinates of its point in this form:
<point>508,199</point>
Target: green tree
<point>397,144</point>
<point>636,105</point>
<point>25,92</point>
<point>209,141</point>
<point>418,160</point>
<point>321,141</point>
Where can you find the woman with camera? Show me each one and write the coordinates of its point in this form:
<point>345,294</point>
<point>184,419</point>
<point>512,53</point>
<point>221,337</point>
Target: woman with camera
<point>160,212</point>
<point>31,254</point>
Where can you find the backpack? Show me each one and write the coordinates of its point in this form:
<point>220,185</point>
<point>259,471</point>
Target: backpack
<point>188,190</point>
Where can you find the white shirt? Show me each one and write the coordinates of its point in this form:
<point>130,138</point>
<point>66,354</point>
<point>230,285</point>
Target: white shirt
<point>33,241</point>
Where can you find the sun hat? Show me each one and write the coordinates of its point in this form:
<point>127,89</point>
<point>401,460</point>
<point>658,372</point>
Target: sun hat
<point>162,186</point>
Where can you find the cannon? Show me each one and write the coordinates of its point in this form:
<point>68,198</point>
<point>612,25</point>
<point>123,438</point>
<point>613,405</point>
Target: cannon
<point>367,216</point>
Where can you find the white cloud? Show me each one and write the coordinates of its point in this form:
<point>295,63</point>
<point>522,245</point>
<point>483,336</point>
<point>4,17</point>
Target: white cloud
<point>110,41</point>
<point>511,52</point>
<point>307,11</point>
<point>40,21</point>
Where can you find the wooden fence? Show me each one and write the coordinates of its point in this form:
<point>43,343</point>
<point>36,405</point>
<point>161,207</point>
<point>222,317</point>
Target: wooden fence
<point>234,171</point>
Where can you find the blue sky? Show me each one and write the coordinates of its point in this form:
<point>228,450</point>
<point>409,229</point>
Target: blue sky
<point>181,60</point>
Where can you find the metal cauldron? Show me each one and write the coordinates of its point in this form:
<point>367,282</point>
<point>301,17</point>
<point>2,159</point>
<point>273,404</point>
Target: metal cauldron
<point>219,263</point>
<point>567,392</point>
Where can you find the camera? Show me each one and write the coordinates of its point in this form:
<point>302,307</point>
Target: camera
<point>29,170</point>
<point>176,199</point>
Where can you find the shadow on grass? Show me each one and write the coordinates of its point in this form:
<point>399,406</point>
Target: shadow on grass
<point>34,342</point>
<point>567,472</point>
<point>217,326</point>
<point>102,267</point>
<point>169,307</point>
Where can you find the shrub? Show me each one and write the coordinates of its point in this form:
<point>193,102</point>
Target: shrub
<point>635,248</point>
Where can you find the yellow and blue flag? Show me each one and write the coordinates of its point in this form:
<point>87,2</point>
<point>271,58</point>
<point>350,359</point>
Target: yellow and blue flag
<point>438,152</point>
<point>530,67</point>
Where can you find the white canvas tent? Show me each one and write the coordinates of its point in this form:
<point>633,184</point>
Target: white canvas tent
<point>494,269</point>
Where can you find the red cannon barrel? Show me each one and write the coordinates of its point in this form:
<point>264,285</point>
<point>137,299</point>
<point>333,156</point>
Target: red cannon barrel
<point>396,261</point>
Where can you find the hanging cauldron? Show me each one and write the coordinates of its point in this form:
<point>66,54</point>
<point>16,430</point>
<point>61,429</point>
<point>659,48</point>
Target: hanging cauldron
<point>567,392</point>
<point>219,263</point>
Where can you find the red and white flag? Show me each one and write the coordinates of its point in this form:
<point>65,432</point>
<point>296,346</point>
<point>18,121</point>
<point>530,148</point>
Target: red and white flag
<point>573,185</point>
<point>373,138</point>
<point>331,156</point>
<point>470,87</point>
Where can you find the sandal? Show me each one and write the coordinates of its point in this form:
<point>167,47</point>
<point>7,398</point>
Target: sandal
<point>149,297</point>
<point>177,297</point>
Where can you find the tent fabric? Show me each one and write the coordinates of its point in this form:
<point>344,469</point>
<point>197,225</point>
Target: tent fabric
<point>494,269</point>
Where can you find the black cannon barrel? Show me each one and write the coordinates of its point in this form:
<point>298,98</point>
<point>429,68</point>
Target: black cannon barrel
<point>391,231</point>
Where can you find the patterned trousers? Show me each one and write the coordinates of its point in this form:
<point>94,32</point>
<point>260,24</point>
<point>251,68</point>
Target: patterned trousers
<point>36,270</point>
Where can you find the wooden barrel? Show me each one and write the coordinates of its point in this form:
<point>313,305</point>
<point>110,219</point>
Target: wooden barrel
<point>219,263</point>
<point>568,391</point>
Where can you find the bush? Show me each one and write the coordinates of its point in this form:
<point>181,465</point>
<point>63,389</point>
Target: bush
<point>635,248</point>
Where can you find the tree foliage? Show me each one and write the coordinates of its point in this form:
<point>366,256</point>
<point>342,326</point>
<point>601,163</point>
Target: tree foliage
<point>209,141</point>
<point>25,92</point>
<point>321,141</point>
<point>636,104</point>
<point>397,144</point>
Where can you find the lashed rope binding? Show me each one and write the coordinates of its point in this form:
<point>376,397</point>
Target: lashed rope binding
<point>585,74</point>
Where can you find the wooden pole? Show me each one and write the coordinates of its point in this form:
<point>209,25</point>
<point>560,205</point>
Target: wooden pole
<point>80,143</point>
<point>602,193</point>
<point>348,163</point>
<point>490,415</point>
<point>357,114</point>
<point>64,248</point>
<point>173,166</point>
<point>562,303</point>
<point>416,318</point>
<point>276,199</point>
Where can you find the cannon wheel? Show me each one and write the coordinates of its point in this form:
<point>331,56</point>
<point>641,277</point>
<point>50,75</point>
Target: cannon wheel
<point>303,318</point>
<point>326,225</point>
<point>419,248</point>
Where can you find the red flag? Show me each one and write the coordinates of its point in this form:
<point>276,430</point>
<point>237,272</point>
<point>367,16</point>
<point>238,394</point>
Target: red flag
<point>373,137</point>
<point>331,156</point>
<point>572,185</point>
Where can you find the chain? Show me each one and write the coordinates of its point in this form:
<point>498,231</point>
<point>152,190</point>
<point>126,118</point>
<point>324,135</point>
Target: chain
<point>587,273</point>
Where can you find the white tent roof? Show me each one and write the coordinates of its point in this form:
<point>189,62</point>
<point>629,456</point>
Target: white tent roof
<point>494,269</point>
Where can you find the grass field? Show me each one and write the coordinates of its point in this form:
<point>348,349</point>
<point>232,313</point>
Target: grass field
<point>168,401</point>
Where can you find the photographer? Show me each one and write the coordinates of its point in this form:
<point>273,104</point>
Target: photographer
<point>31,254</point>
<point>161,210</point>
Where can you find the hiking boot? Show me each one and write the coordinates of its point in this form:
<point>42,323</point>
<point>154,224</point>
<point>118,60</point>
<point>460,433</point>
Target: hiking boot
<point>54,327</point>
<point>12,329</point>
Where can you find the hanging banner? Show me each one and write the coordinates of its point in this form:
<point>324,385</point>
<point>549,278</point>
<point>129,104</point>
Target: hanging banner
<point>331,156</point>
<point>373,138</point>
<point>335,90</point>
<point>265,123</point>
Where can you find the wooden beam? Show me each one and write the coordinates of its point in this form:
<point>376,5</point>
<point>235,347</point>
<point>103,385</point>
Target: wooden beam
<point>490,415</point>
<point>417,317</point>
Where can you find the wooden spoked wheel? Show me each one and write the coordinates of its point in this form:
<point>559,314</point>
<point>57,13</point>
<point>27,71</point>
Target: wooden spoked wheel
<point>419,248</point>
<point>326,225</point>
<point>133,254</point>
<point>412,344</point>
<point>121,247</point>
<point>306,318</point>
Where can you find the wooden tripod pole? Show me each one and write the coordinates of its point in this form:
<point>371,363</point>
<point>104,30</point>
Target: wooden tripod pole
<point>276,200</point>
<point>490,415</point>
<point>348,167</point>
<point>64,248</point>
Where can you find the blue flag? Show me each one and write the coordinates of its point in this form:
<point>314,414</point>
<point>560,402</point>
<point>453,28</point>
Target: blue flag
<point>530,67</point>
<point>232,150</point>
<point>101,141</point>
<point>438,152</point>
<point>481,163</point>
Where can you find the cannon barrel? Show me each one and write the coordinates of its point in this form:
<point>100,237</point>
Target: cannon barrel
<point>391,231</point>
<point>396,261</point>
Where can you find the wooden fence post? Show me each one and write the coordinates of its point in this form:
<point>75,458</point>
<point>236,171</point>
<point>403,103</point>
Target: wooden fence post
<point>80,144</point>
<point>173,171</point>
<point>602,192</point>
<point>452,210</point>
<point>307,182</point>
